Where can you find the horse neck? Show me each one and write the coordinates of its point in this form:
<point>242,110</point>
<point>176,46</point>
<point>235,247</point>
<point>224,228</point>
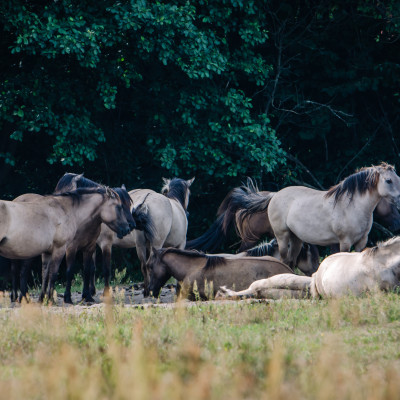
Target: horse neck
<point>367,201</point>
<point>87,208</point>
<point>180,265</point>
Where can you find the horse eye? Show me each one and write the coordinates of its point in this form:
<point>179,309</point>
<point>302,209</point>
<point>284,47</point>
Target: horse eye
<point>389,181</point>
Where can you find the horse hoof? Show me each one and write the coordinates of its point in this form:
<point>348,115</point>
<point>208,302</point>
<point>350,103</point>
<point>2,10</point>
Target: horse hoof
<point>88,299</point>
<point>68,300</point>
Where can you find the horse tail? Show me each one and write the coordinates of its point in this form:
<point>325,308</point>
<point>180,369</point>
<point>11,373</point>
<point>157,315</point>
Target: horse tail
<point>239,205</point>
<point>143,220</point>
<point>213,238</point>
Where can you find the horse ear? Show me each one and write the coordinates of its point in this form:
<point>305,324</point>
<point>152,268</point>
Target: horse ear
<point>77,177</point>
<point>166,181</point>
<point>190,181</point>
<point>123,187</point>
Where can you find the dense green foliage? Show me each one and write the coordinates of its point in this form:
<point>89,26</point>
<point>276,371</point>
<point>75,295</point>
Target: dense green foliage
<point>130,91</point>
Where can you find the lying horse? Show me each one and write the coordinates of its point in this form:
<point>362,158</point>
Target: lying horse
<point>208,272</point>
<point>49,225</point>
<point>166,213</point>
<point>376,268</point>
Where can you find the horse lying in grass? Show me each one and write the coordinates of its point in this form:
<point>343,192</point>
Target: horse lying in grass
<point>374,269</point>
<point>201,275</point>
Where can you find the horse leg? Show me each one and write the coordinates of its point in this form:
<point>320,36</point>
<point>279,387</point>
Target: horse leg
<point>53,268</point>
<point>142,255</point>
<point>92,283</point>
<point>360,245</point>
<point>294,250</point>
<point>15,272</point>
<point>345,245</point>
<point>106,260</point>
<point>283,244</point>
<point>87,270</point>
<point>45,275</point>
<point>25,268</point>
<point>70,260</point>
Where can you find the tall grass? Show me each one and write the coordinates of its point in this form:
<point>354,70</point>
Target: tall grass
<point>342,349</point>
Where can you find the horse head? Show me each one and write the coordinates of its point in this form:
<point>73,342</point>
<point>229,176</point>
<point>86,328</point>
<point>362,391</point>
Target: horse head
<point>126,202</point>
<point>112,212</point>
<point>388,185</point>
<point>178,189</point>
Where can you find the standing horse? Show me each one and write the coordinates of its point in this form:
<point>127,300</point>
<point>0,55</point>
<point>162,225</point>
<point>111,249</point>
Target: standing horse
<point>85,238</point>
<point>206,273</point>
<point>374,269</point>
<point>166,213</point>
<point>48,225</point>
<point>343,214</point>
<point>245,208</point>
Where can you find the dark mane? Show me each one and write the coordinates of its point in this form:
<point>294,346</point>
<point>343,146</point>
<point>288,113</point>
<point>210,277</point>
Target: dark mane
<point>124,196</point>
<point>361,181</point>
<point>263,249</point>
<point>177,189</point>
<point>70,182</point>
<point>212,261</point>
<point>77,194</point>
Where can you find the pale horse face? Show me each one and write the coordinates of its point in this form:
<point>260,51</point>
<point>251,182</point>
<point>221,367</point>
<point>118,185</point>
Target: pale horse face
<point>389,186</point>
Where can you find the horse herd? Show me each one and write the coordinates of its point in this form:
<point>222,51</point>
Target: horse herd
<point>82,214</point>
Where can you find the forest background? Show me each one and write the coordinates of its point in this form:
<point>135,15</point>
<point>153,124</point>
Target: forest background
<point>285,92</point>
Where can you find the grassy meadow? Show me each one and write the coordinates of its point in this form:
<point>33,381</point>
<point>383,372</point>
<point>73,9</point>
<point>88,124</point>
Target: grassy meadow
<point>325,349</point>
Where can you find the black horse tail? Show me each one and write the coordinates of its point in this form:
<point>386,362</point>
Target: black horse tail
<point>212,239</point>
<point>143,221</point>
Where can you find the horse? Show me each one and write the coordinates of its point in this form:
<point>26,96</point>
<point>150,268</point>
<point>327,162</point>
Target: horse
<point>167,216</point>
<point>245,208</point>
<point>202,274</point>
<point>374,269</point>
<point>343,214</point>
<point>48,226</point>
<point>233,211</point>
<point>84,240</point>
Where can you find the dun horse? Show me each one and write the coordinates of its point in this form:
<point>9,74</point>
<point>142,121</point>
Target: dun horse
<point>167,214</point>
<point>85,238</point>
<point>245,208</point>
<point>208,272</point>
<point>374,269</point>
<point>48,226</point>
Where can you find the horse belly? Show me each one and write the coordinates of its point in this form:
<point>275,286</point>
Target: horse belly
<point>314,229</point>
<point>25,246</point>
<point>342,276</point>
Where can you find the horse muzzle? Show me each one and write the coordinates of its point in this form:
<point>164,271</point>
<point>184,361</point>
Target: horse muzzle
<point>123,232</point>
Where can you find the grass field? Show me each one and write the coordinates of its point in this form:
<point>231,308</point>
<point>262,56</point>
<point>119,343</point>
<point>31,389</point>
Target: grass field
<point>325,349</point>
